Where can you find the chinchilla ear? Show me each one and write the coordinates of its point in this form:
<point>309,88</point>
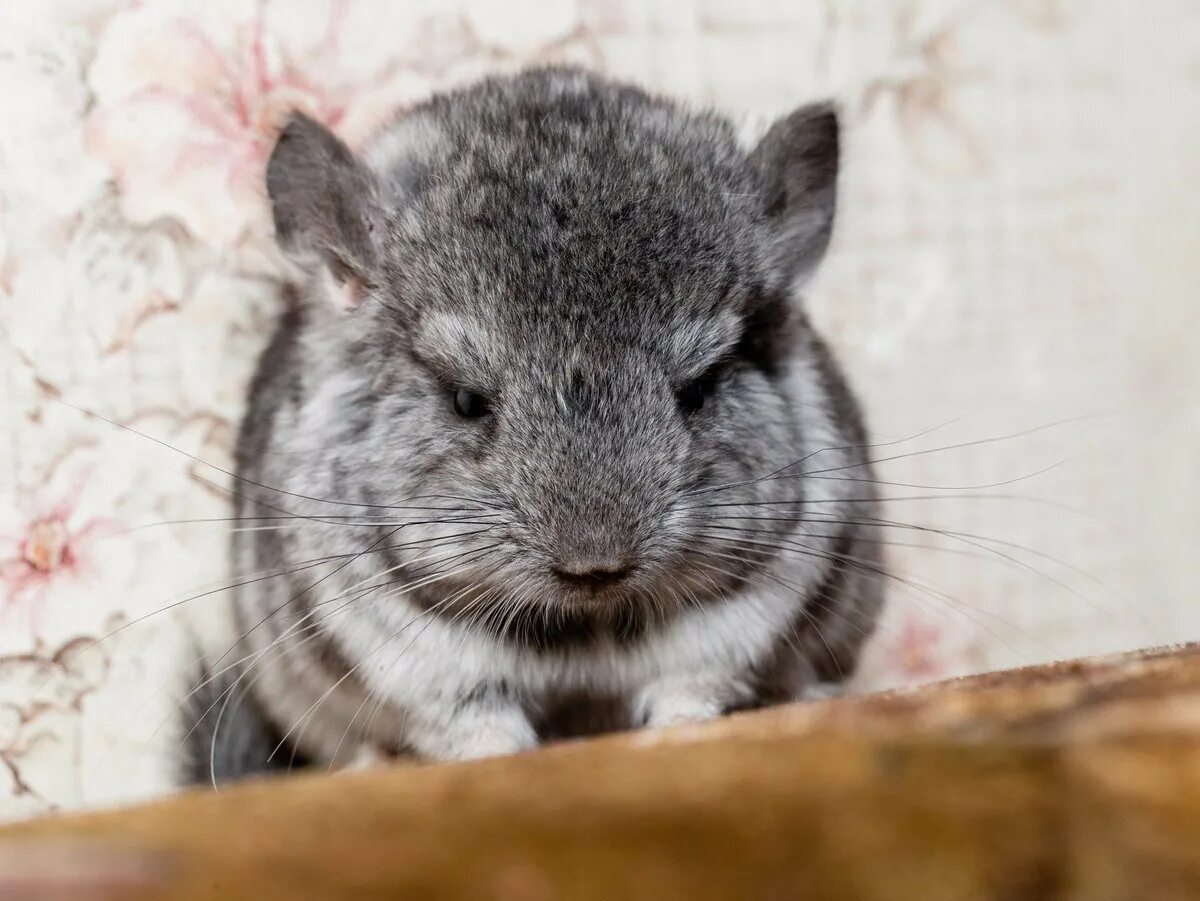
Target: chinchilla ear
<point>797,163</point>
<point>325,204</point>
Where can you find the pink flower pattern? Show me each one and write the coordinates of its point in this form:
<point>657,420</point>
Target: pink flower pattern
<point>216,93</point>
<point>52,547</point>
<point>55,553</point>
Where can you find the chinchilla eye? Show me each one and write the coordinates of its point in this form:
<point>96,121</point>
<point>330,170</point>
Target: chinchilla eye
<point>692,396</point>
<point>470,405</point>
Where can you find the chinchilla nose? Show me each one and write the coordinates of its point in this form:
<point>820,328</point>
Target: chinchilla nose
<point>595,572</point>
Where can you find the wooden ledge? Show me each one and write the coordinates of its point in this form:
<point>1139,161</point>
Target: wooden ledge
<point>1077,780</point>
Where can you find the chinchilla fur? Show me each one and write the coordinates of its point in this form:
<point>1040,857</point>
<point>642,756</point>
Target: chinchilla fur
<point>544,443</point>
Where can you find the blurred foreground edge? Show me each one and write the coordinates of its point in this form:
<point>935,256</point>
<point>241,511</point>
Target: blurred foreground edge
<point>1075,780</point>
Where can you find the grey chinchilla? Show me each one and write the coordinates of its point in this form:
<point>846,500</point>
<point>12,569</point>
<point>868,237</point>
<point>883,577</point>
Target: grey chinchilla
<point>544,443</point>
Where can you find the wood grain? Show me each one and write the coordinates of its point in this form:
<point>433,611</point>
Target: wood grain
<point>1076,781</point>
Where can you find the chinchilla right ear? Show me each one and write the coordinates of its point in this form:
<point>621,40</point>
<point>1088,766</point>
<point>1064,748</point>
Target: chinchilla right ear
<point>325,204</point>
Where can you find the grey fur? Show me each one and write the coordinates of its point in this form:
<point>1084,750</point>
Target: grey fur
<point>593,260</point>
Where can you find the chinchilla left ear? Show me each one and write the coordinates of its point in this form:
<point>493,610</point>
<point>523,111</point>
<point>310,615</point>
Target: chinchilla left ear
<point>796,163</point>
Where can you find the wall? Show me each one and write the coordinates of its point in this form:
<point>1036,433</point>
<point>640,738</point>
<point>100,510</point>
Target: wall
<point>1013,280</point>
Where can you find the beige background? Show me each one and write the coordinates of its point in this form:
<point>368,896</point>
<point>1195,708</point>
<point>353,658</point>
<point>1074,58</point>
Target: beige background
<point>1018,248</point>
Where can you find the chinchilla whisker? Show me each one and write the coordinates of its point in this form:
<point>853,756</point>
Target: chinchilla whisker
<point>495,607</point>
<point>476,603</point>
<point>366,582</point>
<point>381,524</point>
<point>195,459</point>
<point>816,476</point>
<point>482,602</point>
<point>784,583</point>
<point>270,574</point>
<point>777,474</point>
<point>678,596</point>
<point>284,644</point>
<point>511,608</point>
<point>832,536</point>
<point>978,442</point>
<point>358,519</point>
<point>883,542</point>
<point>812,620</point>
<point>281,510</point>
<point>354,668</point>
<point>894,484</point>
<point>429,542</point>
<point>791,636</point>
<point>407,582</point>
<point>370,694</point>
<point>328,518</point>
<point>373,525</point>
<point>448,567</point>
<point>385,518</point>
<point>476,503</point>
<point>256,656</point>
<point>466,539</point>
<point>656,603</point>
<point>790,587</point>
<point>720,592</point>
<point>818,518</point>
<point>399,587</point>
<point>977,541</point>
<point>374,711</point>
<point>708,489</point>
<point>783,505</point>
<point>377,701</point>
<point>871,569</point>
<point>433,540</point>
<point>263,576</point>
<point>868,568</point>
<point>214,672</point>
<point>493,613</point>
<point>228,693</point>
<point>469,609</point>
<point>522,609</point>
<point>828,608</point>
<point>291,600</point>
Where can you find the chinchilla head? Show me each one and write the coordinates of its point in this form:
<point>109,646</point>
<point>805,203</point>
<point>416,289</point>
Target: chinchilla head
<point>566,305</point>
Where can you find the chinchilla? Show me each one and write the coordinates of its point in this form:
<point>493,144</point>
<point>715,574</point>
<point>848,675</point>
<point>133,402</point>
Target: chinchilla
<point>544,443</point>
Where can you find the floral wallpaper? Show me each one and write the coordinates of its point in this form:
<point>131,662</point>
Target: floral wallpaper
<point>1016,190</point>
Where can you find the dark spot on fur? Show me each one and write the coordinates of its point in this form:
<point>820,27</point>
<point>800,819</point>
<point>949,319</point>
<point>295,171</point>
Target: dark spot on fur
<point>552,631</point>
<point>845,408</point>
<point>579,714</point>
<point>768,332</point>
<point>822,606</point>
<point>226,734</point>
<point>486,693</point>
<point>581,398</point>
<point>562,215</point>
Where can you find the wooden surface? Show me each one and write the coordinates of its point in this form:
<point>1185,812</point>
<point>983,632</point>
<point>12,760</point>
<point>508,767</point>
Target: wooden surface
<point>1077,780</point>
